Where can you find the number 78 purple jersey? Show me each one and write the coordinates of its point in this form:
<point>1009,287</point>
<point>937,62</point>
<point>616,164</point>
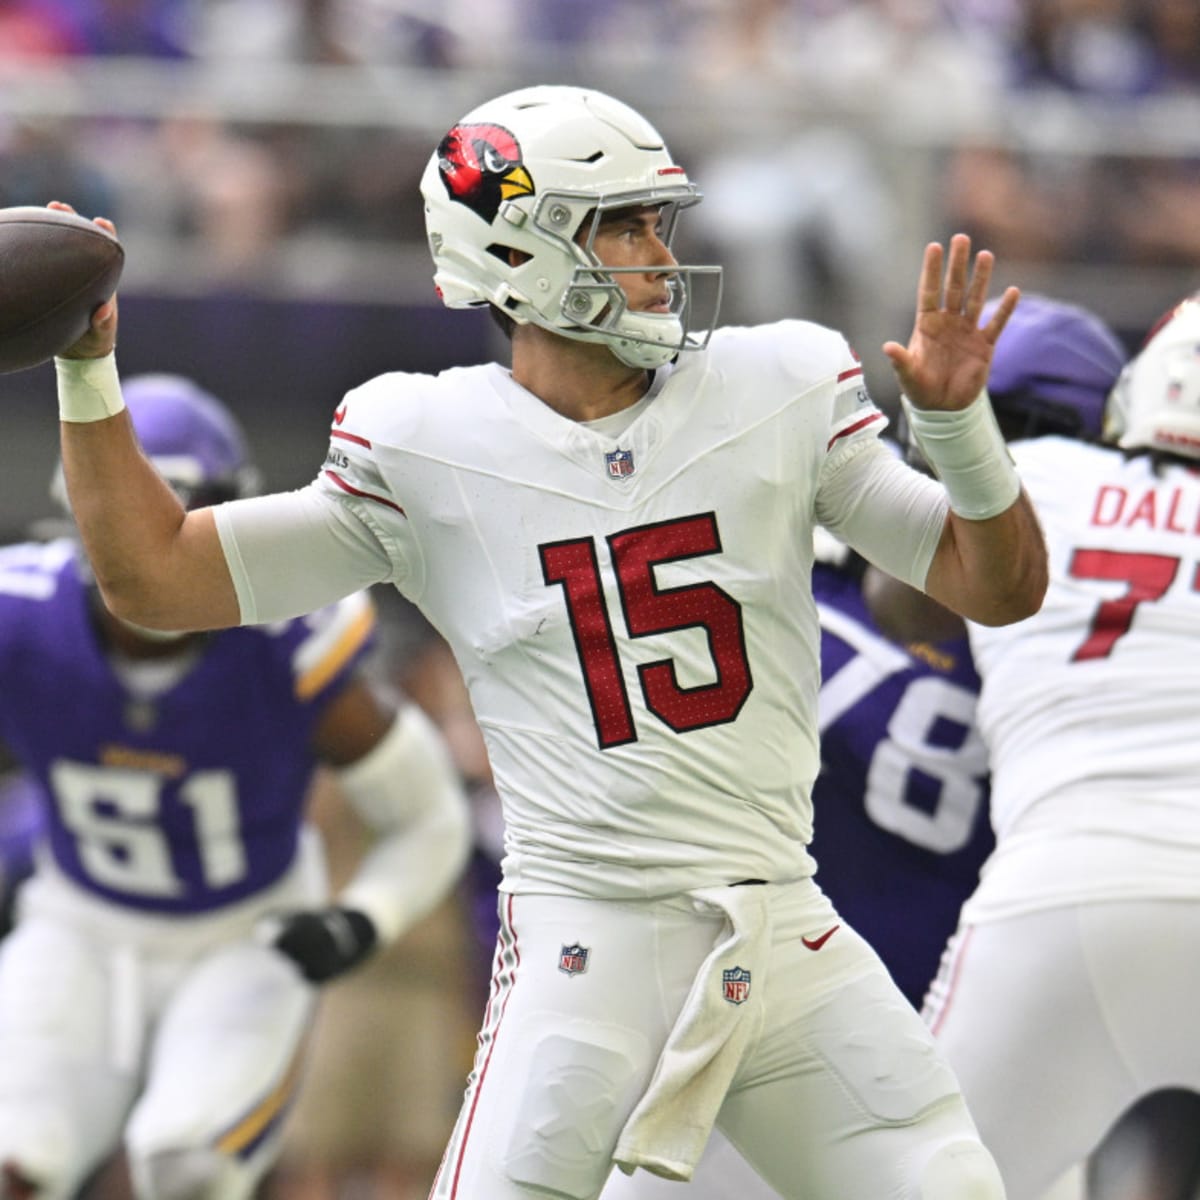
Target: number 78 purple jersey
<point>901,804</point>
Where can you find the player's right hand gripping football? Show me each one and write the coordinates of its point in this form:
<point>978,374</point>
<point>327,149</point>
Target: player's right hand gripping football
<point>101,339</point>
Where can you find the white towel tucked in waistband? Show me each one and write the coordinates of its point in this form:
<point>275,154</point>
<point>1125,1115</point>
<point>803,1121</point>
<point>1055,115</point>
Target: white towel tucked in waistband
<point>667,1132</point>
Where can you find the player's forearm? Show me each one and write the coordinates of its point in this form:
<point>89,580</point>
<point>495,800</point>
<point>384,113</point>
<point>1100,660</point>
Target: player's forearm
<point>994,571</point>
<point>991,564</point>
<point>155,565</point>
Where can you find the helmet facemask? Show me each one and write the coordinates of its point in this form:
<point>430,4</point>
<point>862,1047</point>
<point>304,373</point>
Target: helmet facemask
<point>561,160</point>
<point>594,306</point>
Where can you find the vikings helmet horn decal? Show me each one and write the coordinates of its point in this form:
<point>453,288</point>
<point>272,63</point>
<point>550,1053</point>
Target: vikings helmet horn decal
<point>481,166</point>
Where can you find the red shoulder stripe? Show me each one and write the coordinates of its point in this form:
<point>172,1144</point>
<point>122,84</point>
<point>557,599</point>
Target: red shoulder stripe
<point>353,491</point>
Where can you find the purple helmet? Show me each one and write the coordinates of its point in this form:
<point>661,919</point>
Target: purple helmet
<point>1053,369</point>
<point>191,437</point>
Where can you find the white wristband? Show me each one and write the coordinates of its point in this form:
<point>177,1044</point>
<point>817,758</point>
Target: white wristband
<point>966,451</point>
<point>89,389</point>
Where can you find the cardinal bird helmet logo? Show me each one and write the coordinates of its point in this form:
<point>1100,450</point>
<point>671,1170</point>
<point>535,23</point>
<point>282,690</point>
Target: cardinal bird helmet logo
<point>482,166</point>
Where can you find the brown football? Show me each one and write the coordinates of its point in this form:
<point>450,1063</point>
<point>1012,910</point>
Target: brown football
<point>55,269</point>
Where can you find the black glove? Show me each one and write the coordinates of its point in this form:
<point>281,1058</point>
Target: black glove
<point>326,942</point>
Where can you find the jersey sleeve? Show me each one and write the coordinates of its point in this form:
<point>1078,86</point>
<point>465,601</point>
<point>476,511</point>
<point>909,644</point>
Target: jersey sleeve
<point>855,417</point>
<point>295,552</point>
<point>892,515</point>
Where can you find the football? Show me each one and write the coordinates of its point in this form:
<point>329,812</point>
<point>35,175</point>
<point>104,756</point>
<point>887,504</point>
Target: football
<point>55,269</point>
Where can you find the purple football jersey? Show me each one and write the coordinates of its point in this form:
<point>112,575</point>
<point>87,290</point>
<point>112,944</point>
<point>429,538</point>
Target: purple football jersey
<point>22,825</point>
<point>190,800</point>
<point>901,803</point>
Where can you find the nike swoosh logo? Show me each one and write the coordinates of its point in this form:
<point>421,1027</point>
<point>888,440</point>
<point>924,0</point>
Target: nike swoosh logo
<point>339,415</point>
<point>817,942</point>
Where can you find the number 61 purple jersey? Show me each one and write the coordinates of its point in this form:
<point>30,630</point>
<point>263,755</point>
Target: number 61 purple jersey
<point>180,802</point>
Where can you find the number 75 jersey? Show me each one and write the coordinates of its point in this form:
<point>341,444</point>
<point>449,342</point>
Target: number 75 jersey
<point>632,613</point>
<point>1095,696</point>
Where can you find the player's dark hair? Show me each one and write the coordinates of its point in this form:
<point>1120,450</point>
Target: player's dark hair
<point>502,320</point>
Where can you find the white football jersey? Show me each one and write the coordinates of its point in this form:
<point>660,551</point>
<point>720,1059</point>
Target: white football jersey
<point>1089,707</point>
<point>632,614</point>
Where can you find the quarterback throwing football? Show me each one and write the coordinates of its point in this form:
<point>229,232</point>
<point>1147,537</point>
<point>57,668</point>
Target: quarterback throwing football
<point>614,535</point>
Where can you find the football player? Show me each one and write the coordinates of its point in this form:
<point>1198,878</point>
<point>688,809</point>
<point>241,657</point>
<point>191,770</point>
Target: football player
<point>615,537</point>
<point>1073,970</point>
<point>160,981</point>
<point>1084,806</point>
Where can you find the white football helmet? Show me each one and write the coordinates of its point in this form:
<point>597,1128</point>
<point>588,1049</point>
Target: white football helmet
<point>1155,404</point>
<point>534,171</point>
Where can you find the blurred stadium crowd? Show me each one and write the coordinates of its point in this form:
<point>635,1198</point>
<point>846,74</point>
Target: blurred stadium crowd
<point>259,142</point>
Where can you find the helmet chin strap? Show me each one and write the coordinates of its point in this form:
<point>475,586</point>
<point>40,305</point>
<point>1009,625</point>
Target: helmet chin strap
<point>641,354</point>
<point>650,342</point>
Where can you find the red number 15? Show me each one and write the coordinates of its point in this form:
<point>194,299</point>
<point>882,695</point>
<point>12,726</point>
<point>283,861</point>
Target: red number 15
<point>650,609</point>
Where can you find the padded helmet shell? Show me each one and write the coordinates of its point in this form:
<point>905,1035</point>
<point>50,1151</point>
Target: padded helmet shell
<point>191,437</point>
<point>1156,403</point>
<point>533,172</point>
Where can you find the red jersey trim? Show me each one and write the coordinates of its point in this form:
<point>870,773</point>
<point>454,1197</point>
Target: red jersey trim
<point>353,491</point>
<point>507,931</point>
<point>350,437</point>
<point>876,416</point>
<point>938,1019</point>
<point>850,374</point>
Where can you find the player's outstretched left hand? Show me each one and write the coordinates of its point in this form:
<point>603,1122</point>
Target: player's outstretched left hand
<point>946,362</point>
<point>324,943</point>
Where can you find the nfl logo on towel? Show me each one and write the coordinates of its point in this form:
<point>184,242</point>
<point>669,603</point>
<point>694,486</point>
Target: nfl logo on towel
<point>620,463</point>
<point>572,960</point>
<point>737,984</point>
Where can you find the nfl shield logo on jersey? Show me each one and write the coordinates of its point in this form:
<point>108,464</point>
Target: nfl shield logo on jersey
<point>736,982</point>
<point>619,463</point>
<point>573,960</point>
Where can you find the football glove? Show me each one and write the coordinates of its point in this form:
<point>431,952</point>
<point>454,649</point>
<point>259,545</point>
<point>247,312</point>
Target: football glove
<point>326,942</point>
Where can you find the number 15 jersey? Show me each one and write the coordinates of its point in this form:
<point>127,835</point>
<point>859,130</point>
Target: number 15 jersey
<point>633,615</point>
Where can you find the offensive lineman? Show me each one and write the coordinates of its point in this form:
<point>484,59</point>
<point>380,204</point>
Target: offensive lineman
<point>1073,975</point>
<point>158,986</point>
<point>615,538</point>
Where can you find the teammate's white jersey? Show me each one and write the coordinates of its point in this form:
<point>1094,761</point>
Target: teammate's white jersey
<point>633,615</point>
<point>1089,707</point>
